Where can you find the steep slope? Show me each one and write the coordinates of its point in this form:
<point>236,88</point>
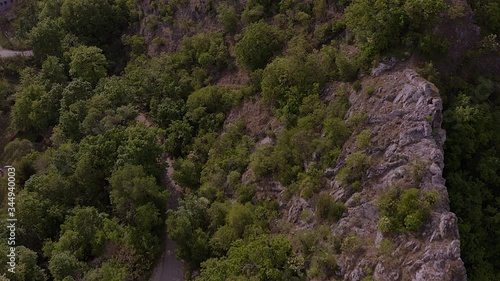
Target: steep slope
<point>404,115</point>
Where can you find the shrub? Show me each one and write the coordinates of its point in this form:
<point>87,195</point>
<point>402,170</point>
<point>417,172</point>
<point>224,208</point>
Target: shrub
<point>370,90</point>
<point>323,264</point>
<point>309,185</point>
<point>432,44</point>
<point>227,16</point>
<point>363,139</point>
<point>356,164</point>
<point>286,81</point>
<point>259,43</point>
<point>375,23</point>
<point>246,193</point>
<point>385,247</point>
<point>206,50</point>
<point>351,244</point>
<point>187,173</point>
<point>348,71</point>
<point>328,209</point>
<point>262,162</point>
<point>252,13</point>
<point>88,63</point>
<point>405,210</point>
<point>356,85</point>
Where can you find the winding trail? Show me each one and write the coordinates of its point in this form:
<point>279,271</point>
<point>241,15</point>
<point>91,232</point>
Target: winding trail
<point>5,53</point>
<point>169,268</point>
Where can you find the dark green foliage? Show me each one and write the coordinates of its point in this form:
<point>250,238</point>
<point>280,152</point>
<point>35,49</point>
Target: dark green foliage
<point>133,194</point>
<point>26,265</point>
<point>488,12</point>
<point>261,258</point>
<point>257,46</point>
<point>187,173</point>
<point>179,136</point>
<point>95,22</point>
<point>112,270</point>
<point>92,200</point>
<point>432,44</point>
<point>136,43</point>
<point>6,94</point>
<point>375,22</point>
<point>76,90</point>
<point>253,12</point>
<point>229,154</point>
<point>65,264</point>
<point>348,71</point>
<point>39,219</point>
<point>46,38</point>
<point>286,81</point>
<point>186,226</point>
<point>87,63</point>
<point>472,169</point>
<point>207,106</point>
<point>141,147</point>
<point>207,50</point>
<point>167,111</point>
<point>355,169</point>
<point>227,17</point>
<point>405,210</point>
<point>328,209</point>
<point>53,72</point>
<point>15,150</point>
<point>319,134</point>
<point>380,24</point>
<point>37,101</point>
<point>79,234</point>
<point>246,193</point>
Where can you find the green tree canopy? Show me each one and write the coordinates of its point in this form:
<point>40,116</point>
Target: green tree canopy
<point>257,46</point>
<point>87,63</point>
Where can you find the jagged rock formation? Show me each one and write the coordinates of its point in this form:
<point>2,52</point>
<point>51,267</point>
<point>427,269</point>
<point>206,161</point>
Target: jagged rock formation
<point>404,116</point>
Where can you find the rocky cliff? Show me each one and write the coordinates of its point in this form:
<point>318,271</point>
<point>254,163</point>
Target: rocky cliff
<point>404,116</point>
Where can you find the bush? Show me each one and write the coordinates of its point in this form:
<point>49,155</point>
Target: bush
<point>246,193</point>
<point>405,210</point>
<point>328,209</point>
<point>259,43</point>
<point>206,50</point>
<point>262,162</point>
<point>88,63</point>
<point>363,139</point>
<point>348,71</point>
<point>355,169</point>
<point>323,264</point>
<point>227,16</point>
<point>286,81</point>
<point>351,244</point>
<point>252,12</point>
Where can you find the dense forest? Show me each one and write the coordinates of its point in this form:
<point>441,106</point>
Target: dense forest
<point>117,89</point>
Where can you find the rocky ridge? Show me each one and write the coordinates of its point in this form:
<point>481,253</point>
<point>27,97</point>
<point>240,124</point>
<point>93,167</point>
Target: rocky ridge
<point>404,116</point>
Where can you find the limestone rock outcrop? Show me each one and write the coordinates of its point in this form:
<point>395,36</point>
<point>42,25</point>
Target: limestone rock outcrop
<point>404,116</point>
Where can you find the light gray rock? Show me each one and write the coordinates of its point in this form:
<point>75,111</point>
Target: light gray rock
<point>383,273</point>
<point>405,120</point>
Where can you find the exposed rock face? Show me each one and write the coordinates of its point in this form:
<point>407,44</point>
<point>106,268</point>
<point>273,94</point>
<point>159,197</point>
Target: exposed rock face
<point>404,118</point>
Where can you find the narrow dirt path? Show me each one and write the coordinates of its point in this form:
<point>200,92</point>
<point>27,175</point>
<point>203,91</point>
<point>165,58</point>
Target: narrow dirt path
<point>169,268</point>
<point>4,53</point>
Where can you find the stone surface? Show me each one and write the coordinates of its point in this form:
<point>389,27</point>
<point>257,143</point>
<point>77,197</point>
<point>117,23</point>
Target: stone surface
<point>404,116</point>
